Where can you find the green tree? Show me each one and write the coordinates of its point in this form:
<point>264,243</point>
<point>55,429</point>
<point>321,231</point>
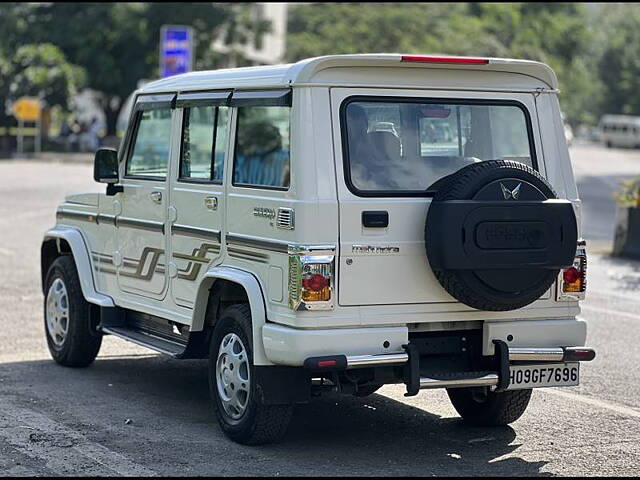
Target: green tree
<point>554,33</point>
<point>619,65</point>
<point>118,43</point>
<point>322,29</point>
<point>43,71</point>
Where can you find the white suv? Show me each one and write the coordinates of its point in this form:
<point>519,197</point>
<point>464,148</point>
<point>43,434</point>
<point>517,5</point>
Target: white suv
<point>260,218</point>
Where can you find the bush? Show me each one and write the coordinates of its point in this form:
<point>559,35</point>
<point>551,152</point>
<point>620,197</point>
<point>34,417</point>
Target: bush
<point>629,196</point>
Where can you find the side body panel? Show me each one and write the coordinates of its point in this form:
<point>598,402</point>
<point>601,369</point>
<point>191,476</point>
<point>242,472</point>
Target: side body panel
<point>254,241</point>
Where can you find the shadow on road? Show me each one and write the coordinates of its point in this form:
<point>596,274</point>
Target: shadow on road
<point>167,401</point>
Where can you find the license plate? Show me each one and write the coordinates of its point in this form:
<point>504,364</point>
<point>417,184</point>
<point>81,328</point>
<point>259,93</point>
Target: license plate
<point>536,376</point>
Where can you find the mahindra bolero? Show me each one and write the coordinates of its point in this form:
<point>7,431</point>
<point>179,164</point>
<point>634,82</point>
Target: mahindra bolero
<point>339,223</point>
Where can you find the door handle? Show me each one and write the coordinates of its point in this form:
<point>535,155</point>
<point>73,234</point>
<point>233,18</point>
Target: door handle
<point>156,197</point>
<point>211,203</point>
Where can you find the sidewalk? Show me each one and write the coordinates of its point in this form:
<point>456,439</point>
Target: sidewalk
<point>58,157</point>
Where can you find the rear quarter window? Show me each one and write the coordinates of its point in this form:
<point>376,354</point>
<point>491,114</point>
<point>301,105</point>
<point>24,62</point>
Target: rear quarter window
<point>262,154</point>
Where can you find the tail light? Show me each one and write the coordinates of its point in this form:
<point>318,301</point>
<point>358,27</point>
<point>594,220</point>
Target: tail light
<point>444,59</point>
<point>572,281</point>
<point>311,278</point>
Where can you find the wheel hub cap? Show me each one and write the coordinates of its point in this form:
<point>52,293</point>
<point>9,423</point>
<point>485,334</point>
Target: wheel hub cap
<point>232,376</point>
<point>57,312</point>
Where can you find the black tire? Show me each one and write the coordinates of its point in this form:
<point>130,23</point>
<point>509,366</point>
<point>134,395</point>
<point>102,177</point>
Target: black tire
<point>489,409</point>
<point>81,344</point>
<point>260,423</point>
<point>475,288</point>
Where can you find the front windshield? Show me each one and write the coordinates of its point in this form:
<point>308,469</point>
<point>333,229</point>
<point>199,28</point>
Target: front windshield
<point>405,146</point>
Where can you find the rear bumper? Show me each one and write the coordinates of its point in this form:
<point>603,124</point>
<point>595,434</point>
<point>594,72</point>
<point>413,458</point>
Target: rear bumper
<point>410,362</point>
<point>289,346</point>
<point>292,346</point>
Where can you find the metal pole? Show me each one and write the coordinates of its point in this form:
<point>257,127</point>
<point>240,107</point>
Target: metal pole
<point>19,138</point>
<point>38,135</point>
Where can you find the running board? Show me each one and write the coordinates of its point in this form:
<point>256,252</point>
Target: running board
<point>172,348</point>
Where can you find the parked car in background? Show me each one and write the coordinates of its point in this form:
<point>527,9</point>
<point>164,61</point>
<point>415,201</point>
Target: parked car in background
<point>620,131</point>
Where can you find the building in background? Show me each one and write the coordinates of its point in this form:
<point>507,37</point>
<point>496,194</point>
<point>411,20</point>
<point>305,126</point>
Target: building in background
<point>269,49</point>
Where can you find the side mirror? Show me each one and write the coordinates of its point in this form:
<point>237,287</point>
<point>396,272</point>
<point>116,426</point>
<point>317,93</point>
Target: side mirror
<point>105,166</point>
<point>105,169</point>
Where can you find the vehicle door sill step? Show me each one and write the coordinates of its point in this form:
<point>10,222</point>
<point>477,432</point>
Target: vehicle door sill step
<point>144,339</point>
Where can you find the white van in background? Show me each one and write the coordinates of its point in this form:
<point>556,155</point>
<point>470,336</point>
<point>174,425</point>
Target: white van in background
<point>620,131</point>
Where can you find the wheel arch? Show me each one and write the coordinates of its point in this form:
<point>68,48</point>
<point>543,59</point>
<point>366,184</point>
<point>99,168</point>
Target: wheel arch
<point>69,241</point>
<point>236,286</point>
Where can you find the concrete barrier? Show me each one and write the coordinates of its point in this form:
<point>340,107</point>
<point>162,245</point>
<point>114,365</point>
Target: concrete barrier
<point>626,242</point>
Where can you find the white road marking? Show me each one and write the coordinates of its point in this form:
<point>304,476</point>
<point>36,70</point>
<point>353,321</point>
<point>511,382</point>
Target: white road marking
<point>621,409</point>
<point>610,311</point>
<point>64,450</point>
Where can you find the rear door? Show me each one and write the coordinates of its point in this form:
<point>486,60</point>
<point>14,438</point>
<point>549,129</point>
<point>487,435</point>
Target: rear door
<point>383,192</point>
<point>196,212</point>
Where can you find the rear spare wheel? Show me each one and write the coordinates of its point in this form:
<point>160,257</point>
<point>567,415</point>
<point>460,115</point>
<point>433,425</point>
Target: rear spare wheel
<point>497,236</point>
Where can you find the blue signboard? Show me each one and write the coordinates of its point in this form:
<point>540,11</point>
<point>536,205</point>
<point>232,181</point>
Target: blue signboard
<point>176,50</point>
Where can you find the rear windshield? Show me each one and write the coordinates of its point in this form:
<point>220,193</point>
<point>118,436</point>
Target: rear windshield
<point>398,146</point>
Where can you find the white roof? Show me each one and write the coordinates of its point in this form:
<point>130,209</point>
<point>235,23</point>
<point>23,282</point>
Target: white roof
<point>299,73</point>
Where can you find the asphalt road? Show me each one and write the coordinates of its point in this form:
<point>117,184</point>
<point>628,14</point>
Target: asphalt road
<point>136,413</point>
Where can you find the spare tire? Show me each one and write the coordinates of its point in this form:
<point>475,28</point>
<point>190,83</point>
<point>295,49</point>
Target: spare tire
<point>496,236</point>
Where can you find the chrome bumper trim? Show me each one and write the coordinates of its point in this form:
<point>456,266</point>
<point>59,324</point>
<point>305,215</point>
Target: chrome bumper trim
<point>486,381</point>
<point>376,360</point>
<point>536,354</point>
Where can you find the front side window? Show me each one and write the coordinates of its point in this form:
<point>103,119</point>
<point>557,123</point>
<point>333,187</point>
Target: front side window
<point>204,143</point>
<point>402,146</point>
<point>150,153</point>
<point>262,147</point>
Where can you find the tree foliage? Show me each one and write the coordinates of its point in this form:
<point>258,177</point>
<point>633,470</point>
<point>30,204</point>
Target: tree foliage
<point>42,71</point>
<point>553,33</point>
<point>619,65</point>
<point>50,49</point>
<point>117,44</point>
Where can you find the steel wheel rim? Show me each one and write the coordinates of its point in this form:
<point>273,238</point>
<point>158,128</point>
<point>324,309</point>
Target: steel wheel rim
<point>57,312</point>
<point>232,376</point>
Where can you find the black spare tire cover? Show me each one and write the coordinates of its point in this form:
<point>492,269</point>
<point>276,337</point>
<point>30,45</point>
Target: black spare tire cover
<point>496,236</point>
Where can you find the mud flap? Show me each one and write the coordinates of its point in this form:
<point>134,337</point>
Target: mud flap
<point>502,365</point>
<point>281,385</point>
<point>411,371</point>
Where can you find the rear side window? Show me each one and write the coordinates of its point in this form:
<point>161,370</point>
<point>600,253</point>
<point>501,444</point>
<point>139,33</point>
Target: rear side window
<point>262,147</point>
<point>150,151</point>
<point>204,143</point>
<point>402,146</point>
